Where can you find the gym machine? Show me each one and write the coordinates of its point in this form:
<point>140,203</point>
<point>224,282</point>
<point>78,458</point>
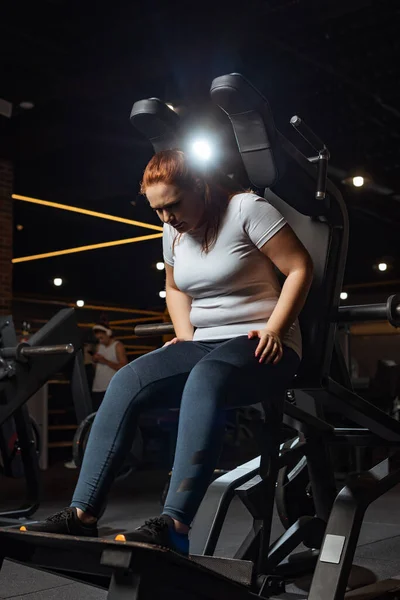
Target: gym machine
<point>24,368</point>
<point>316,211</point>
<point>297,494</point>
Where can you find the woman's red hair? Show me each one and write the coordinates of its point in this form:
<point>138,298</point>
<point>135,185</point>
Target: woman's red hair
<point>173,167</point>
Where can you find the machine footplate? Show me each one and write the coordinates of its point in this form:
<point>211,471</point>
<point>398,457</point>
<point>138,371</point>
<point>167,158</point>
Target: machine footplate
<point>96,560</point>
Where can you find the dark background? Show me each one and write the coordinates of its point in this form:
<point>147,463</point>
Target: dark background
<point>83,65</point>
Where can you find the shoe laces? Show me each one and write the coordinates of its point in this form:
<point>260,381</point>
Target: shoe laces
<point>157,525</point>
<point>63,515</point>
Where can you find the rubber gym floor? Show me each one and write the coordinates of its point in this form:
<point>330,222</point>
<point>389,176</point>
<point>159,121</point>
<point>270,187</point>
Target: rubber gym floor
<point>137,498</point>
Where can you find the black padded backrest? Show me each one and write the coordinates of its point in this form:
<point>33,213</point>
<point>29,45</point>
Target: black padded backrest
<point>157,122</point>
<point>318,330</point>
<point>322,226</point>
<point>253,126</point>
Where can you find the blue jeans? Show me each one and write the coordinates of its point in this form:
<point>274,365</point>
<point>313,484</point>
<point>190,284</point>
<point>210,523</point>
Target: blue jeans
<point>204,379</point>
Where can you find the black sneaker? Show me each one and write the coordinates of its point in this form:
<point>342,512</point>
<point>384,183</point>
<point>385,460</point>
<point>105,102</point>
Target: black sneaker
<point>159,531</point>
<point>65,522</point>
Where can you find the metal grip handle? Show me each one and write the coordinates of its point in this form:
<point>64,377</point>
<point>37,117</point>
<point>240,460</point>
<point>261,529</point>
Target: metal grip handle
<point>322,174</point>
<point>154,329</point>
<point>24,351</point>
<point>387,311</point>
<point>307,133</point>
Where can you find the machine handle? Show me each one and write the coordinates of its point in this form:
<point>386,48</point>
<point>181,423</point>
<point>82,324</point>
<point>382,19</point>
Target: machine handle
<point>154,329</point>
<point>322,174</point>
<point>323,154</point>
<point>307,133</point>
<point>24,351</point>
<point>387,311</point>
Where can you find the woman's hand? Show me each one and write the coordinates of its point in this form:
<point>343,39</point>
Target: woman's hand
<point>175,340</point>
<point>269,348</point>
<point>99,358</point>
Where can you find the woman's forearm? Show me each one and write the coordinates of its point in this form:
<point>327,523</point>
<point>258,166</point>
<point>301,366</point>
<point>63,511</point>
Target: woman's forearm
<point>179,306</point>
<point>116,366</point>
<point>291,300</point>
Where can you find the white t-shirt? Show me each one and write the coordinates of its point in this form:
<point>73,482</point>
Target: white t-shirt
<point>104,373</point>
<point>234,287</point>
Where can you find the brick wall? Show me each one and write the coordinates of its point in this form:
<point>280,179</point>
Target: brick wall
<point>6,232</point>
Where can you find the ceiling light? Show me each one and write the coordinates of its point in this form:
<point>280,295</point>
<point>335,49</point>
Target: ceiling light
<point>20,227</point>
<point>382,266</point>
<point>26,104</point>
<point>57,281</point>
<point>357,178</point>
<point>358,181</point>
<point>80,303</point>
<point>344,295</point>
<point>162,294</point>
<point>160,266</point>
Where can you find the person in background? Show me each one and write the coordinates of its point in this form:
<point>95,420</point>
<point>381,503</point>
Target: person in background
<point>110,356</point>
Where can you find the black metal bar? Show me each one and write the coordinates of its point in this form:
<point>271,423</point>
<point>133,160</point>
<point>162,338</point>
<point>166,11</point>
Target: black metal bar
<point>215,505</point>
<point>31,467</point>
<point>26,351</point>
<point>44,350</point>
<point>339,371</point>
<point>80,389</point>
<point>307,133</point>
<point>362,312</point>
<point>300,420</point>
<point>124,585</point>
<point>269,466</point>
<point>250,547</point>
<point>322,174</point>
<point>343,529</point>
<point>291,538</point>
<point>154,329</point>
<point>361,412</point>
<point>321,473</point>
<point>388,311</point>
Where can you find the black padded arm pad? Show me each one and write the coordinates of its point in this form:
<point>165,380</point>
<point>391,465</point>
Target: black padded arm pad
<point>157,122</point>
<point>253,125</point>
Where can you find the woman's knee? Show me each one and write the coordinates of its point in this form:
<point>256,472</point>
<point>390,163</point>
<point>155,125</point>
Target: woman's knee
<point>212,376</point>
<point>124,380</point>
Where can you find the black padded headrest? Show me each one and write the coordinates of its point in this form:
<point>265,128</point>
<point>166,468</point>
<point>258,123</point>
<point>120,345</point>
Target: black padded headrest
<point>267,155</point>
<point>157,122</point>
<point>253,125</point>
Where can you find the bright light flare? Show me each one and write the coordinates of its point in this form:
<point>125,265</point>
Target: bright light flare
<point>358,181</point>
<point>201,149</point>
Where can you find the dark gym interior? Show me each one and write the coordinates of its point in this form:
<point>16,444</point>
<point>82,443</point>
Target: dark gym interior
<point>294,100</point>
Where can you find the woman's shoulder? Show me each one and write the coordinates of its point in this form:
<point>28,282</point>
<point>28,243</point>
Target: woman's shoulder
<point>243,200</point>
<point>247,196</point>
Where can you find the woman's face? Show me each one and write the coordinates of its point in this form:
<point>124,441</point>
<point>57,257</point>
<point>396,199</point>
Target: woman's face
<point>181,208</point>
<point>102,337</point>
